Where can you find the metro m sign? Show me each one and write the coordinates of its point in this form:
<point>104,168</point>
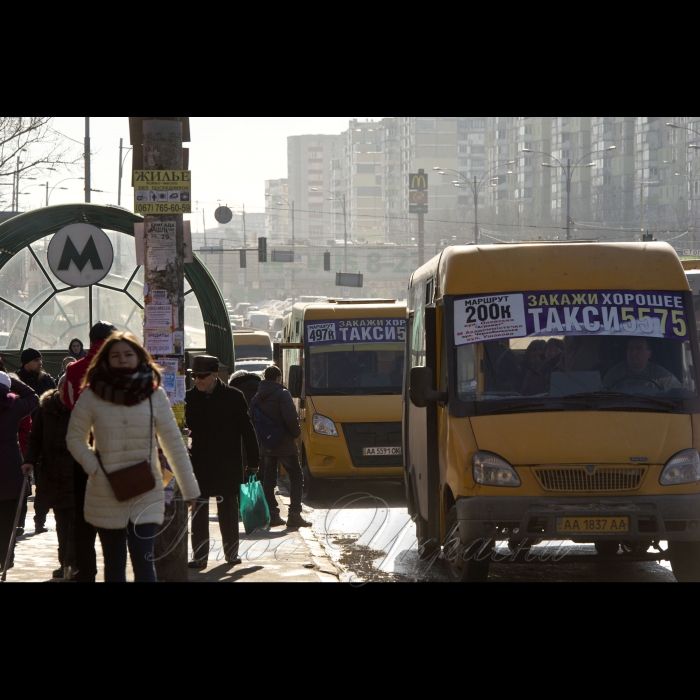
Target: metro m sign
<point>418,182</point>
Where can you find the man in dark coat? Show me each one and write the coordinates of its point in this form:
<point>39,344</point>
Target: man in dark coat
<point>33,375</point>
<point>55,486</point>
<point>17,401</point>
<point>218,419</point>
<point>278,405</point>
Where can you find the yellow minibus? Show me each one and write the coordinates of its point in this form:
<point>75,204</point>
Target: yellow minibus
<point>344,362</point>
<point>553,397</point>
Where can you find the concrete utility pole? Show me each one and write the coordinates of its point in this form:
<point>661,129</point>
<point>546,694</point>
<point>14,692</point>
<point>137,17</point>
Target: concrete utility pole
<point>88,173</point>
<point>162,150</point>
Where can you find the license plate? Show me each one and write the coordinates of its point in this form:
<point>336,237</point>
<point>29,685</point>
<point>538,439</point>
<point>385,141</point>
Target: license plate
<point>382,452</point>
<point>592,526</point>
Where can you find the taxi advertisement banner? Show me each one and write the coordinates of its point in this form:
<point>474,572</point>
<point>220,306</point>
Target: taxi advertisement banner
<point>492,317</point>
<point>356,331</point>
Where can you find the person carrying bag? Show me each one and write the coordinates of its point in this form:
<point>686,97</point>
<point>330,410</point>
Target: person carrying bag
<point>123,406</point>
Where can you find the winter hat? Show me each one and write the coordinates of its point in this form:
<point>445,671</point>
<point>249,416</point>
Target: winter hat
<point>30,355</point>
<point>5,381</point>
<point>101,331</point>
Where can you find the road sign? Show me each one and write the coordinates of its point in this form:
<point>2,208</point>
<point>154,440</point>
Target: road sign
<point>418,202</point>
<point>418,182</point>
<point>80,255</point>
<point>348,279</point>
<point>223,215</point>
<point>163,191</point>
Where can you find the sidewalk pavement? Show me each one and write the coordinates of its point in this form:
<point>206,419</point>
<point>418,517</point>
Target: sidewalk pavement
<point>279,556</point>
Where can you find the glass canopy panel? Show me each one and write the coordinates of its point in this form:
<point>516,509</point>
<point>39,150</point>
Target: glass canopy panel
<point>41,248</point>
<point>195,337</point>
<point>118,309</point>
<point>12,326</point>
<point>136,287</point>
<point>23,283</point>
<point>65,317</point>
<point>124,260</point>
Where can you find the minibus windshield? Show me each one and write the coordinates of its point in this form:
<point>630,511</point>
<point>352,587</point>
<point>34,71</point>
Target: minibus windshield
<point>355,357</point>
<point>612,346</point>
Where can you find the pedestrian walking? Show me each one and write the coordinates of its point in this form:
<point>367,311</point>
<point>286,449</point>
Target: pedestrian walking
<point>123,406</point>
<point>76,349</point>
<point>17,401</point>
<point>33,375</point>
<point>277,405</point>
<point>55,487</point>
<point>85,534</point>
<point>248,384</point>
<point>217,416</point>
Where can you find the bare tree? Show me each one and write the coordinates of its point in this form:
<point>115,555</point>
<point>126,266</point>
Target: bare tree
<point>30,145</point>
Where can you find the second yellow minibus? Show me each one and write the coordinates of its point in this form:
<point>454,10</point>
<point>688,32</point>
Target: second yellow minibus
<point>554,397</point>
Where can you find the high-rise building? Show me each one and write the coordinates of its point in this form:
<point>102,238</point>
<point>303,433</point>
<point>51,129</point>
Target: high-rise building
<point>309,161</point>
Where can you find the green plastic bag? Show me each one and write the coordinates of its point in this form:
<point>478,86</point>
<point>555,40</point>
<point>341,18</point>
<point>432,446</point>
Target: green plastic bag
<point>254,509</point>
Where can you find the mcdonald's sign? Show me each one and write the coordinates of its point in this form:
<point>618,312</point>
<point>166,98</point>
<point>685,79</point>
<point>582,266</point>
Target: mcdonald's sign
<point>419,182</point>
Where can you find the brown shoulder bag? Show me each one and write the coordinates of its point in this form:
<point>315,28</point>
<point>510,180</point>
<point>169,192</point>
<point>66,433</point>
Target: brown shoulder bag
<point>132,482</point>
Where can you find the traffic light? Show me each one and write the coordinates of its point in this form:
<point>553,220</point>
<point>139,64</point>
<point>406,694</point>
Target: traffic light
<point>327,262</point>
<point>244,260</point>
<point>262,250</point>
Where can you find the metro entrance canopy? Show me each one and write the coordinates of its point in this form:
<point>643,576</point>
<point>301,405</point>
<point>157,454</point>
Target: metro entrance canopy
<point>20,232</point>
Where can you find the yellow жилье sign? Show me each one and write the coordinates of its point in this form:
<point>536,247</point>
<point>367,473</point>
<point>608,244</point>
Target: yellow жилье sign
<point>163,191</point>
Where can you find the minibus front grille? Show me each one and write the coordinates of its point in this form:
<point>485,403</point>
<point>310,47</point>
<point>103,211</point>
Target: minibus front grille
<point>581,479</point>
<point>361,437</point>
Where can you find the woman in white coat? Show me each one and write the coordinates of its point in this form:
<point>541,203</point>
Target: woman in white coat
<point>124,407</point>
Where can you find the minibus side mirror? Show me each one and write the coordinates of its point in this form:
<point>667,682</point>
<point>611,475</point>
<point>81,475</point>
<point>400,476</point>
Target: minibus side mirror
<point>296,381</point>
<point>421,388</point>
<point>277,354</point>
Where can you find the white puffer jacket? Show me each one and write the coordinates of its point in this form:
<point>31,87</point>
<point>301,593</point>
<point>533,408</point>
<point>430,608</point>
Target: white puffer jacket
<point>123,437</point>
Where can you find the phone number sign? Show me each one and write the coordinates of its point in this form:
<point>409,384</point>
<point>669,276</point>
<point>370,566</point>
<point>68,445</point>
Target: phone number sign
<point>481,319</point>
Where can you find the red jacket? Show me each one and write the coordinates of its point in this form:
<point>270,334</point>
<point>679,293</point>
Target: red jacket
<point>25,429</point>
<point>75,375</point>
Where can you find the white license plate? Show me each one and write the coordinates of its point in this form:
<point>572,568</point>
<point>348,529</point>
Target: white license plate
<point>382,452</point>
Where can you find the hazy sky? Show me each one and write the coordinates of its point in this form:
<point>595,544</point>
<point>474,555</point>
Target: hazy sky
<point>230,158</point>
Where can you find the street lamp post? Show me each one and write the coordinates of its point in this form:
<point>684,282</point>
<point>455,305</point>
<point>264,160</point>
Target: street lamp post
<point>569,171</point>
<point>344,201</point>
<point>122,160</point>
<point>294,257</point>
<point>56,186</point>
<point>476,188</point>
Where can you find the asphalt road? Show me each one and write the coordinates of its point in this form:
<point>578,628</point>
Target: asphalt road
<point>365,529</point>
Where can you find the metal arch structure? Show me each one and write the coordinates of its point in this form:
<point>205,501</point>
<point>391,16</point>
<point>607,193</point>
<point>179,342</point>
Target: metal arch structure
<point>22,231</point>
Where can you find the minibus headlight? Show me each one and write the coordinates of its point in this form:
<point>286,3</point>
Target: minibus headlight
<point>492,470</point>
<point>684,468</point>
<point>325,426</point>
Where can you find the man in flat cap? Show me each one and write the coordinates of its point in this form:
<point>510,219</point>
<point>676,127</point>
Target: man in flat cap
<point>217,416</point>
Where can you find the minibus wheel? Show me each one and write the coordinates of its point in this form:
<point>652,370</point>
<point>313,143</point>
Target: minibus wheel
<point>311,488</point>
<point>465,565</point>
<point>685,561</point>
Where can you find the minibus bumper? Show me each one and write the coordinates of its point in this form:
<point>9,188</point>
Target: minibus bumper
<point>652,518</point>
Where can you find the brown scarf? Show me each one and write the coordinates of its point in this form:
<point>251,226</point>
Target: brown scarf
<point>123,387</point>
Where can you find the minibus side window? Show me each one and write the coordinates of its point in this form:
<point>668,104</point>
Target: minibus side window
<point>417,302</point>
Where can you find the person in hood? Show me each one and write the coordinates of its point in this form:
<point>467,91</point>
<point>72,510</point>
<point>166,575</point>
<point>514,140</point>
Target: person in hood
<point>278,405</point>
<point>33,375</point>
<point>17,401</point>
<point>55,487</point>
<point>77,350</point>
<point>85,534</point>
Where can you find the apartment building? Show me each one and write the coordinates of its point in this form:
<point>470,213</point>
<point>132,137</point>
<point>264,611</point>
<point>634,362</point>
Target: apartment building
<point>309,161</point>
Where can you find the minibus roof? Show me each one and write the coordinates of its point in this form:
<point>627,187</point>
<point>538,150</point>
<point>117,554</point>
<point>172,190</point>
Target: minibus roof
<point>550,266</point>
<point>250,337</point>
<point>320,312</point>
